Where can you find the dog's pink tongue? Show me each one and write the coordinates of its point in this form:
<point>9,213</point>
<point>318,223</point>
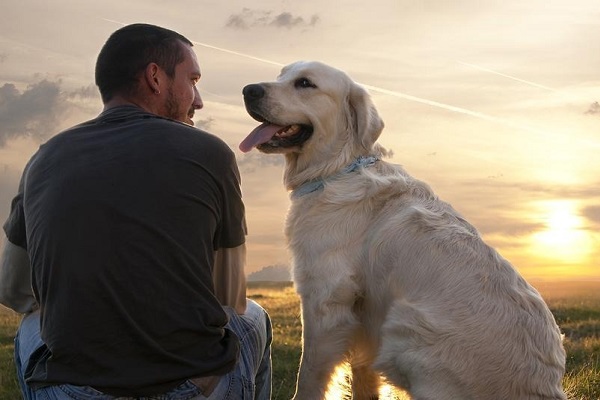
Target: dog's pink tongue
<point>261,134</point>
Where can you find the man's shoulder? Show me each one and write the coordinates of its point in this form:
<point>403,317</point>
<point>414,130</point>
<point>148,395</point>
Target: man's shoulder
<point>135,126</point>
<point>197,137</point>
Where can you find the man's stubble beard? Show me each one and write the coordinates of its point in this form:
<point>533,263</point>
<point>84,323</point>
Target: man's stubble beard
<point>172,108</point>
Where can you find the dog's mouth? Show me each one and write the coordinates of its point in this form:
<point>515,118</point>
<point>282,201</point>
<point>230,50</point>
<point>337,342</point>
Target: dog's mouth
<point>268,137</point>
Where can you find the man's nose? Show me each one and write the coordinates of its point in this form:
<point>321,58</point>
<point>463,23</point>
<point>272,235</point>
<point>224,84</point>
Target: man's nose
<point>197,104</point>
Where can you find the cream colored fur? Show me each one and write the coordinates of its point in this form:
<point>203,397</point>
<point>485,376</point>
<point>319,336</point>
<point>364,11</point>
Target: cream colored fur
<point>391,276</point>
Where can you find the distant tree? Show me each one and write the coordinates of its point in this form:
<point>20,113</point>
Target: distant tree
<point>278,273</point>
<point>594,109</point>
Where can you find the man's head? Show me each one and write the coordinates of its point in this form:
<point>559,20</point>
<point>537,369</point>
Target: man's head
<point>153,65</point>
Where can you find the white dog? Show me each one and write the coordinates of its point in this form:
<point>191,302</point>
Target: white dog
<point>389,275</point>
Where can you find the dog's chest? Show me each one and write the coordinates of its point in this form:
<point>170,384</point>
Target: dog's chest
<point>315,227</point>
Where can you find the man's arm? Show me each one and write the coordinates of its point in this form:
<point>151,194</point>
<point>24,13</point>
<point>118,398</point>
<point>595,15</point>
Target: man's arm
<point>15,279</point>
<point>229,279</point>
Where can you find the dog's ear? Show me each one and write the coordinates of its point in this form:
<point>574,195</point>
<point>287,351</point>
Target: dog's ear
<point>365,123</point>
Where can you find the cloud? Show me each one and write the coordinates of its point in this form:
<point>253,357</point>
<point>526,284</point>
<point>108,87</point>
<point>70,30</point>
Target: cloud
<point>204,124</point>
<point>594,109</point>
<point>38,111</point>
<point>256,18</point>
<point>534,190</point>
<point>592,213</point>
<point>507,226</point>
<point>85,92</point>
<point>237,21</point>
<point>34,112</point>
<point>254,160</point>
<point>511,202</point>
<point>287,20</point>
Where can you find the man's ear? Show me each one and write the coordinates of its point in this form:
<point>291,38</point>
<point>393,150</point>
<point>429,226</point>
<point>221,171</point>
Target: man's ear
<point>152,77</point>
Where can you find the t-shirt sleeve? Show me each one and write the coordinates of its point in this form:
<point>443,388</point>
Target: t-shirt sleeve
<point>232,231</point>
<point>15,272</point>
<point>14,227</point>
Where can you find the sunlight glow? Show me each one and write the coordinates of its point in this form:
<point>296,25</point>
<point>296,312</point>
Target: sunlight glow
<point>564,238</point>
<point>340,386</point>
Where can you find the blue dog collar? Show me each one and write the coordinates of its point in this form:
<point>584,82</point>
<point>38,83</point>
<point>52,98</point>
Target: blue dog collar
<point>318,184</point>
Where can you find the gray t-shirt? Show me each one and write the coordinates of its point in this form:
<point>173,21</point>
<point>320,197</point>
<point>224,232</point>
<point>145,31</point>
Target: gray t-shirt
<point>121,216</point>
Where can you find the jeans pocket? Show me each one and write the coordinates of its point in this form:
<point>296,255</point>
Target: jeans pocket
<point>206,384</point>
<point>186,391</point>
<point>231,387</point>
<point>75,392</point>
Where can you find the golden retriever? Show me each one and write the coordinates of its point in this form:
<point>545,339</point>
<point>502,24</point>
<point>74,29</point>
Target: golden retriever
<point>389,275</point>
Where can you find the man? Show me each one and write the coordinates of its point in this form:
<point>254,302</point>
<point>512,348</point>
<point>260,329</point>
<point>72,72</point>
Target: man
<point>130,230</point>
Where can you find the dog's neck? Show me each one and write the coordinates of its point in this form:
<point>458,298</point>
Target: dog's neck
<point>318,184</point>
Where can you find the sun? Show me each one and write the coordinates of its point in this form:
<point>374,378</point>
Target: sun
<point>564,238</point>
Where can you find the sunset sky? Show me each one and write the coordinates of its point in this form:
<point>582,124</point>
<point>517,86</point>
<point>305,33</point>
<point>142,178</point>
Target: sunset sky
<point>493,103</point>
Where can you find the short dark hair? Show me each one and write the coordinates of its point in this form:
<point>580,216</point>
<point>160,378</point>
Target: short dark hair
<point>129,50</point>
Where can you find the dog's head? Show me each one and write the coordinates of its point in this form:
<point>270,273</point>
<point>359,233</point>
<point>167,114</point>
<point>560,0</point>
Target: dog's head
<point>312,111</point>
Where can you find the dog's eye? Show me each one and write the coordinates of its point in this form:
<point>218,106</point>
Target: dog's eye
<point>304,83</point>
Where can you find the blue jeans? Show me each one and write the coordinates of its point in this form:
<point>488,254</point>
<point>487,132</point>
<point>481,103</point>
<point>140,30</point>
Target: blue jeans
<point>251,378</point>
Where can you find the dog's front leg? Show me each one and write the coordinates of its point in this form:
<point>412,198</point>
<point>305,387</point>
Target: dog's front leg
<point>328,325</point>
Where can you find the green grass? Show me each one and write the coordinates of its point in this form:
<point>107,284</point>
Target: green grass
<point>576,307</point>
<point>9,387</point>
<point>283,306</point>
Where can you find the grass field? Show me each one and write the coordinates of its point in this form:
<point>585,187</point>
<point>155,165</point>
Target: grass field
<point>576,306</point>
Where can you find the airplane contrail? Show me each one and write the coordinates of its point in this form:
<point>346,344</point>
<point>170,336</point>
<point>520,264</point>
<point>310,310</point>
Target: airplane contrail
<point>113,21</point>
<point>530,83</point>
<point>456,109</point>
<point>238,54</point>
<point>432,103</point>
<point>491,71</point>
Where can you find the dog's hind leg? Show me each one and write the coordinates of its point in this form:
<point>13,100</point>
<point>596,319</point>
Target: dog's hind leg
<point>365,383</point>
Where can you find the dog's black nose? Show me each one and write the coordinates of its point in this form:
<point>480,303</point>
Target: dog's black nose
<point>253,92</point>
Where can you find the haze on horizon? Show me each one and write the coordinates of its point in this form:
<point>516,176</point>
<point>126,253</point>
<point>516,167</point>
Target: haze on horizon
<point>494,104</point>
